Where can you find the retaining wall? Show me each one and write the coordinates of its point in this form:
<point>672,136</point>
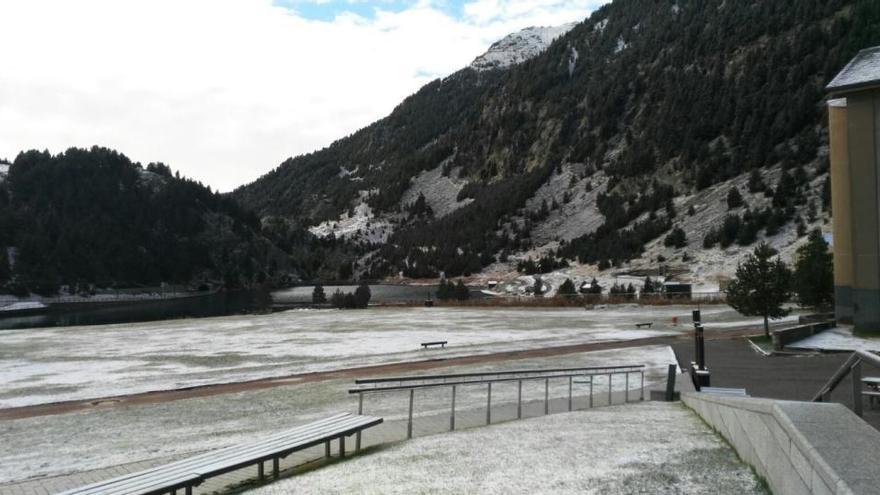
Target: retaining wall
<point>798,447</point>
<point>782,338</point>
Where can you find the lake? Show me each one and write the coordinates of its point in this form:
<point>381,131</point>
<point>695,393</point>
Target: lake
<point>216,304</point>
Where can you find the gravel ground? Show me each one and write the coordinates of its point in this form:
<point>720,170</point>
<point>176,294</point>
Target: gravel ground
<point>61,444</point>
<point>39,366</point>
<point>639,448</point>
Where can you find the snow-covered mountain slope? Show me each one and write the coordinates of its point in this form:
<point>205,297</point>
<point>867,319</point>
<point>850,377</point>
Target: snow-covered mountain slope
<point>520,46</point>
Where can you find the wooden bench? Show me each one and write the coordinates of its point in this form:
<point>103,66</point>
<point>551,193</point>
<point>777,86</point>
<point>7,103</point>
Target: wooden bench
<point>187,473</point>
<point>643,325</point>
<point>441,343</point>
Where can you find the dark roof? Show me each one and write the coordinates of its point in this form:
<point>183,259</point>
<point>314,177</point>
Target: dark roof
<point>862,71</point>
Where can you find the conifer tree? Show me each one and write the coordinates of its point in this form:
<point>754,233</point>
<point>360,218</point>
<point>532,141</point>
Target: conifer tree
<point>734,198</point>
<point>318,296</point>
<point>462,293</point>
<point>762,285</point>
<point>567,288</point>
<point>362,295</point>
<point>814,273</point>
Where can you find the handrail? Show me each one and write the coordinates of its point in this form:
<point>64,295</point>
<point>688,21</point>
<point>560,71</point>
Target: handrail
<point>491,378</point>
<point>367,390</point>
<point>853,365</point>
<point>496,373</point>
<point>836,378</point>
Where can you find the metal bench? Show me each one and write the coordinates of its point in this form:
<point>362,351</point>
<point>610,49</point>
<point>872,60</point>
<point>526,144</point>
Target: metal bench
<point>187,473</point>
<point>643,325</point>
<point>441,343</point>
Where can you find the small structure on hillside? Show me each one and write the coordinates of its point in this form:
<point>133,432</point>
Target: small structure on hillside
<point>854,114</point>
<point>676,289</point>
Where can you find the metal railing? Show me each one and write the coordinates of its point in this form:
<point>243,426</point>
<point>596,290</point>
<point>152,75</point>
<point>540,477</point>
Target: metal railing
<point>412,383</point>
<point>853,365</point>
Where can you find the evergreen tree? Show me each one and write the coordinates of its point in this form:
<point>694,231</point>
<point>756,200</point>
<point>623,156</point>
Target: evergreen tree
<point>462,293</point>
<point>734,198</point>
<point>443,292</point>
<point>648,286</point>
<point>762,285</point>
<point>756,182</point>
<point>814,273</point>
<point>567,288</point>
<point>5,270</point>
<point>675,239</point>
<point>362,295</point>
<point>338,299</point>
<point>318,296</point>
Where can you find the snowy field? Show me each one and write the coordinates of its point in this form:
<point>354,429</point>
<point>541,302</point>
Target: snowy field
<point>651,447</point>
<point>57,364</point>
<point>837,339</point>
<point>100,438</point>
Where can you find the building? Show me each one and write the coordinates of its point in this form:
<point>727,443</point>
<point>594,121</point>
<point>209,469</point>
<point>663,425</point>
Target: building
<point>854,131</point>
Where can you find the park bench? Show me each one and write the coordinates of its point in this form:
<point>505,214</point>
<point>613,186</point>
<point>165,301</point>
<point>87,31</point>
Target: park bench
<point>739,392</point>
<point>441,343</point>
<point>187,473</point>
<point>643,325</point>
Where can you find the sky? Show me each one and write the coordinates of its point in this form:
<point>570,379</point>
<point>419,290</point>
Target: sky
<point>225,90</point>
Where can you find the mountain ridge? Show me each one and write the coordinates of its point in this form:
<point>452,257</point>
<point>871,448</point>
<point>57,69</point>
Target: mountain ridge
<point>642,106</point>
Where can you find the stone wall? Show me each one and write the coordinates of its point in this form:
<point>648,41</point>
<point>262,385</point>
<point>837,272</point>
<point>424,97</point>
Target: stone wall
<point>798,447</point>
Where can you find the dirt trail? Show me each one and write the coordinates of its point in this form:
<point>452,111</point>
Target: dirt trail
<point>352,373</point>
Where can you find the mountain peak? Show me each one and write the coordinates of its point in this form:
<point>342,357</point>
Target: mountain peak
<point>518,47</point>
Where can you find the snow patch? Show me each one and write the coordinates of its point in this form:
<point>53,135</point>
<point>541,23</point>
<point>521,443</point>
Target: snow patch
<point>520,46</point>
<point>837,339</point>
<point>621,449</point>
<point>24,305</point>
<point>572,61</point>
<point>601,25</point>
<point>621,45</point>
<point>361,224</point>
<point>440,191</point>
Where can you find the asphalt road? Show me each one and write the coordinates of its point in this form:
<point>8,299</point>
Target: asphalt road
<point>733,363</point>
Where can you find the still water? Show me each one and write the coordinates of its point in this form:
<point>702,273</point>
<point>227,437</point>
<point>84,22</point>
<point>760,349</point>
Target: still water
<point>216,304</point>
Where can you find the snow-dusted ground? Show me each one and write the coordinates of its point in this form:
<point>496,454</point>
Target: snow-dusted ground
<point>21,306</point>
<point>99,438</point>
<point>441,192</point>
<point>57,364</point>
<point>639,448</point>
<point>837,339</point>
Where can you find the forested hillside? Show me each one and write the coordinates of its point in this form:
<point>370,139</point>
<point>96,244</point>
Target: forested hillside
<point>651,100</point>
<point>93,217</point>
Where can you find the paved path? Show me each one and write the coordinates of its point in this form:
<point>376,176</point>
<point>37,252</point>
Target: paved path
<point>733,363</point>
<point>388,432</point>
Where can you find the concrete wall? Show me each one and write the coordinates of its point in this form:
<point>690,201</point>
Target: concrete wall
<point>798,447</point>
<point>782,338</point>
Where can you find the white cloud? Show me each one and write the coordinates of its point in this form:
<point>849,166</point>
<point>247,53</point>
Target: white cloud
<point>224,90</point>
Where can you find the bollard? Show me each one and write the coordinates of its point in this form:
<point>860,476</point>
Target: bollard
<point>489,405</point>
<point>409,420</point>
<point>670,383</point>
<point>452,412</point>
<point>519,400</point>
<point>357,440</point>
